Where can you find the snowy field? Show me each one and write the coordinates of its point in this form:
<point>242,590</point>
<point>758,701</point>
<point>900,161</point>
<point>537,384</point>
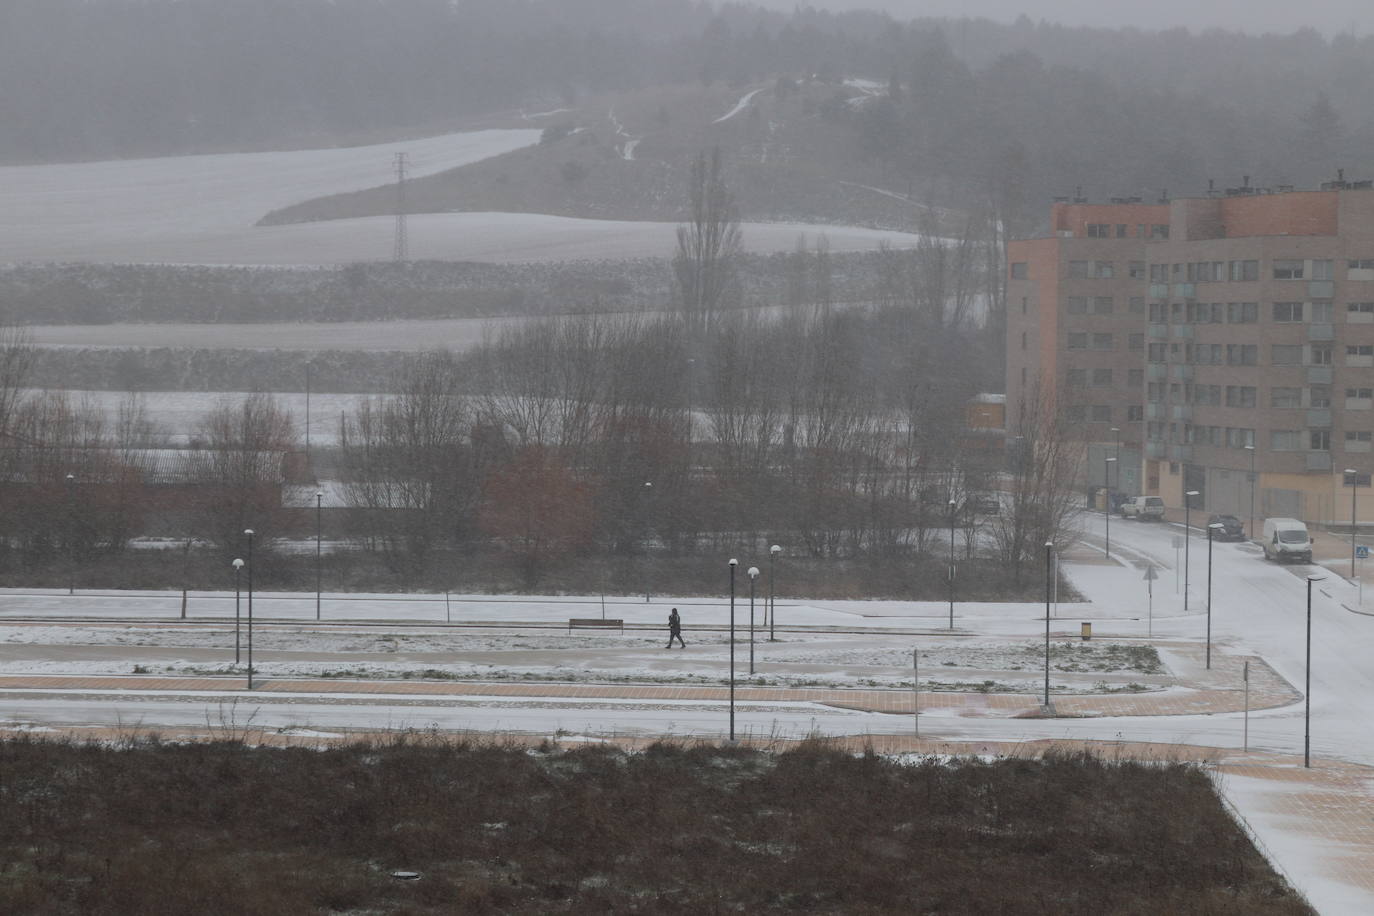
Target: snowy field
<point>202,210</point>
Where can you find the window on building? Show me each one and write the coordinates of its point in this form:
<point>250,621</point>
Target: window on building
<point>1135,377</point>
<point>1156,353</point>
<point>1360,308</point>
<point>1025,304</point>
<point>1136,306</point>
<point>1322,270</point>
<point>1358,435</point>
<point>1288,269</point>
<point>1285,440</point>
<point>1076,378</point>
<point>1288,311</point>
<point>1102,378</point>
<point>1242,312</point>
<point>1121,230</point>
<point>1078,340</point>
<point>1101,413</point>
<point>1319,396</point>
<point>1359,350</point>
<point>1286,355</point>
<point>1078,270</point>
<point>1159,273</point>
<point>1240,437</point>
<point>1321,354</point>
<point>1206,395</point>
<point>1020,270</point>
<point>1176,313</point>
<point>1099,231</point>
<point>1135,270</point>
<point>1159,231</point>
<point>1243,270</point>
<point>1359,398</point>
<point>1319,440</point>
<point>1320,312</point>
<point>1159,313</point>
<point>1208,354</point>
<point>1076,305</point>
<point>1102,305</point>
<point>1360,264</point>
<point>1023,375</point>
<point>1104,270</point>
<point>1240,396</point>
<point>1076,413</point>
<point>1154,392</point>
<point>1135,413</point>
<point>1285,397</point>
<point>1136,341</point>
<point>1242,354</point>
<point>1104,342</point>
<point>1023,340</point>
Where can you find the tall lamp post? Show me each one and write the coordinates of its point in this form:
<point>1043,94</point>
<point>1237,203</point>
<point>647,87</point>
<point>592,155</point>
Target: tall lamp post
<point>238,567</point>
<point>951,564</point>
<point>1116,453</point>
<point>319,576</point>
<point>71,534</point>
<point>1187,539</point>
<point>733,563</point>
<point>1107,502</point>
<point>1307,689</point>
<point>248,533</point>
<point>1251,450</point>
<point>772,595</point>
<point>1049,550</point>
<point>753,577</point>
<point>1353,481</point>
<point>648,489</point>
<point>1211,530</point>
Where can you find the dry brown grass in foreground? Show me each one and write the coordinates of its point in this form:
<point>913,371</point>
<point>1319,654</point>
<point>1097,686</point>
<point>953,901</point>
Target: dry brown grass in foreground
<point>150,827</point>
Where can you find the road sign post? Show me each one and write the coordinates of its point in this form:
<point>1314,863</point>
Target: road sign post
<point>1178,547</point>
<point>1150,576</point>
<point>1245,673</point>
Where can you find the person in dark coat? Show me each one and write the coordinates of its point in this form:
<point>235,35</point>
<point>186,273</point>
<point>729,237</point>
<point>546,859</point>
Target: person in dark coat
<point>674,629</point>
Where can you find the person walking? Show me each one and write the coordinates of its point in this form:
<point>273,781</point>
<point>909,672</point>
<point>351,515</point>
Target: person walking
<point>674,629</point>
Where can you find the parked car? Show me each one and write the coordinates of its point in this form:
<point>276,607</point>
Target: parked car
<point>1231,528</point>
<point>1287,539</point>
<point>1143,507</point>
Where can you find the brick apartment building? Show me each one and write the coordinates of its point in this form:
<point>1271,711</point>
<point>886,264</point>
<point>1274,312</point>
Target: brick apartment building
<point>1206,336</point>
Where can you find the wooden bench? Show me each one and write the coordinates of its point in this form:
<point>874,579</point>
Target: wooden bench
<point>595,623</point>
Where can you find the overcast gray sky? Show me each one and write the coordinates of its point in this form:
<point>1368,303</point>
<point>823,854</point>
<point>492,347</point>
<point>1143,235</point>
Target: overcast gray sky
<point>1253,16</point>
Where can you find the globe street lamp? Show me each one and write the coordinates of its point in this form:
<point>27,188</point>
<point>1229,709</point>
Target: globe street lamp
<point>238,567</point>
<point>1049,550</point>
<point>248,533</point>
<point>753,577</point>
<point>1187,539</point>
<point>733,563</point>
<point>1107,503</point>
<point>1211,529</point>
<point>772,596</point>
<point>1251,450</point>
<point>1307,689</point>
<point>951,564</point>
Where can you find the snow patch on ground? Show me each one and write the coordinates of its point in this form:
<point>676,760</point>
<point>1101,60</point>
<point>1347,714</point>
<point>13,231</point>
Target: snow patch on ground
<point>742,104</point>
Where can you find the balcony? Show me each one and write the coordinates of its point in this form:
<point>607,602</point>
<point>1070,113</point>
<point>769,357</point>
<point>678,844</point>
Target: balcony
<point>1158,331</point>
<point>1318,461</point>
<point>1321,332</point>
<point>1159,291</point>
<point>1185,290</point>
<point>1181,372</point>
<point>1155,411</point>
<point>1320,289</point>
<point>1183,331</point>
<point>1183,412</point>
<point>1154,450</point>
<point>1181,453</point>
<point>1156,372</point>
<point>1319,375</point>
<point>1319,418</point>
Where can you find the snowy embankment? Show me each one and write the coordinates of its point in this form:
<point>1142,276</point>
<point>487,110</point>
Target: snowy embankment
<point>742,104</point>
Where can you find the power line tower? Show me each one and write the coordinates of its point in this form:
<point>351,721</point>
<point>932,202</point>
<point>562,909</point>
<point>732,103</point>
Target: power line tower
<point>401,249</point>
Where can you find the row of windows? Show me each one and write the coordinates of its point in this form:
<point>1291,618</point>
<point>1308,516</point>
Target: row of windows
<point>1100,305</point>
<point>1102,378</point>
<point>1357,355</point>
<point>1122,230</point>
<point>1280,440</point>
<point>1101,413</point>
<point>1318,312</point>
<point>1280,396</point>
<point>1203,271</point>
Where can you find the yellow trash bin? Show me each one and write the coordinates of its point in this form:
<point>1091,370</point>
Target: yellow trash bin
<point>1086,630</point>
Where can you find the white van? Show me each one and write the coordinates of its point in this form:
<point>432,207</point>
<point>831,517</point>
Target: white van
<point>1287,540</point>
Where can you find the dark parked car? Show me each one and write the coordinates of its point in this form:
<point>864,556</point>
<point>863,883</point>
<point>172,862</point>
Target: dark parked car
<point>1231,528</point>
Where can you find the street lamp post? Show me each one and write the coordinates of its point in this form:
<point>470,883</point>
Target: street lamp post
<point>1353,481</point>
<point>238,567</point>
<point>319,504</point>
<point>1211,529</point>
<point>1187,539</point>
<point>1107,503</point>
<point>1049,550</point>
<point>1251,450</point>
<point>1307,689</point>
<point>248,533</point>
<point>648,489</point>
<point>733,563</point>
<point>951,564</point>
<point>772,595</point>
<point>71,534</point>
<point>753,577</point>
<point>1116,453</point>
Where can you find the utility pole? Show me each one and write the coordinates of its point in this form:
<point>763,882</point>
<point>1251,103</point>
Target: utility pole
<point>401,250</point>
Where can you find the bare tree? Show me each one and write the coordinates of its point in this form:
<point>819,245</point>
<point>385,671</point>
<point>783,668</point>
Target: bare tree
<point>708,245</point>
<point>239,467</point>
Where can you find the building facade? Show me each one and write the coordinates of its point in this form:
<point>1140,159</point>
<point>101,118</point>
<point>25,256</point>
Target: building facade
<point>1242,364</point>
